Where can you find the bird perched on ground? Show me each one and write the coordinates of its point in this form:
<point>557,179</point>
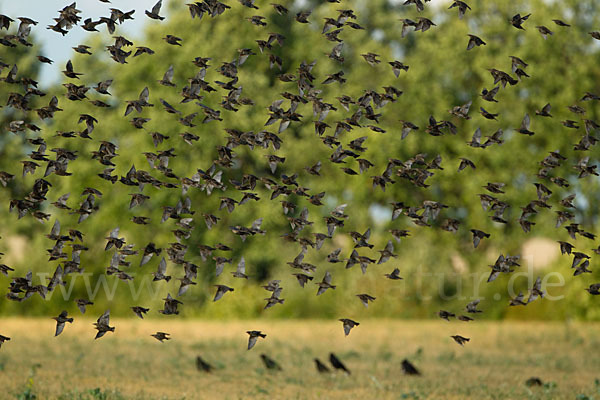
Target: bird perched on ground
<point>322,368</point>
<point>202,365</point>
<point>534,381</point>
<point>408,368</point>
<point>270,363</point>
<point>337,363</point>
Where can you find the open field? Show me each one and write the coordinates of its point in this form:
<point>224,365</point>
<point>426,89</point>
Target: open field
<point>131,364</point>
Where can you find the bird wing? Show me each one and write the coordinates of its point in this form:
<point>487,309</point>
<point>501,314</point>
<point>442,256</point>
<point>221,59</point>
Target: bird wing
<point>59,328</point>
<point>327,277</point>
<point>525,122</point>
<point>144,94</point>
<point>104,318</point>
<point>241,267</point>
<point>347,328</point>
<point>156,8</point>
<point>252,341</point>
<point>162,266</point>
<point>168,76</point>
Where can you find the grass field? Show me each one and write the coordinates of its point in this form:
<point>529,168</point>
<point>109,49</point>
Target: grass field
<point>130,364</point>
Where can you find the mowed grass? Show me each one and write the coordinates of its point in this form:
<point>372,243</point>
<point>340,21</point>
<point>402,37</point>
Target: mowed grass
<point>131,364</point>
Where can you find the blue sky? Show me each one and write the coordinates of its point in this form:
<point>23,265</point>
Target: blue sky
<point>58,47</point>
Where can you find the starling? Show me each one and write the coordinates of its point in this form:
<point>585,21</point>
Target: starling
<point>446,315</point>
<point>460,339</point>
<point>325,284</point>
<point>60,322</point>
<point>534,381</point>
<point>348,325</point>
<point>253,337</point>
<point>472,306</point>
<point>518,300</point>
<point>102,325</point>
<point>81,303</point>
<point>475,41</point>
<point>594,289</point>
<point>394,275</point>
<point>140,311</point>
<point>202,365</point>
<point>409,369</point>
<point>155,10</point>
<point>270,363</point>
<point>365,298</point>
<point>337,363</point>
<point>221,290</point>
<point>160,336</point>
<point>3,339</point>
<point>322,368</point>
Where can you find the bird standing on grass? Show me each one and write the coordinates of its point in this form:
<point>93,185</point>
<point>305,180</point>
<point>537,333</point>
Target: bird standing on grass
<point>202,365</point>
<point>322,368</point>
<point>270,363</point>
<point>337,363</point>
<point>408,368</point>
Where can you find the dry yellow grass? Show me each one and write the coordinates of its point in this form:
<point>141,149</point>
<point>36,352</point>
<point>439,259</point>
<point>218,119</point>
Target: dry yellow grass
<point>131,364</point>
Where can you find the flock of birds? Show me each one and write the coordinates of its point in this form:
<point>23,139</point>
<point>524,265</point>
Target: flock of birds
<point>407,367</point>
<point>363,112</point>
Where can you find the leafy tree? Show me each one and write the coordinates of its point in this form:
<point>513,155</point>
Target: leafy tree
<point>442,74</point>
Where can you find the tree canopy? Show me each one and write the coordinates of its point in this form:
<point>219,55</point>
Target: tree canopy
<point>284,101</point>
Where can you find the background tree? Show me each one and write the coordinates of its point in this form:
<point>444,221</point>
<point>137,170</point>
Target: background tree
<point>442,74</point>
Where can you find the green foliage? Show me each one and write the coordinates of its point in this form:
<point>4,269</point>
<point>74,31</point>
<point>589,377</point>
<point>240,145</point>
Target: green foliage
<point>92,394</point>
<point>442,75</point>
<point>28,390</point>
